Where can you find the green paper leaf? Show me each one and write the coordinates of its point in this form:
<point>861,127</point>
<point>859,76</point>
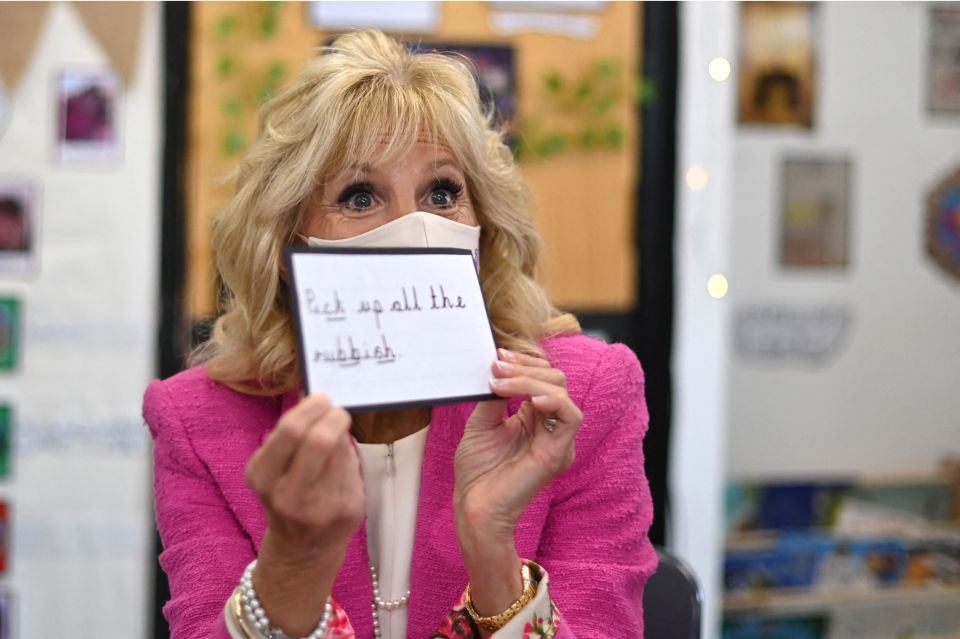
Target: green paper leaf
<point>234,143</point>
<point>226,66</point>
<point>226,25</point>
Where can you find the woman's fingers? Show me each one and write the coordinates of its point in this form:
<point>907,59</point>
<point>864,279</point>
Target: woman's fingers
<point>323,440</point>
<point>504,369</point>
<point>522,359</point>
<point>273,459</point>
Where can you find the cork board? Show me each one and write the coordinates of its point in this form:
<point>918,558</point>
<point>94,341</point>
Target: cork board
<point>583,201</point>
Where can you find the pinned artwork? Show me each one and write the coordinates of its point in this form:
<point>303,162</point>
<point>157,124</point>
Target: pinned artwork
<point>88,117</point>
<point>18,222</point>
<point>777,63</point>
<point>814,218</point>
<point>943,225</point>
<point>495,70</point>
<point>944,64</point>
<point>390,328</point>
<point>9,333</point>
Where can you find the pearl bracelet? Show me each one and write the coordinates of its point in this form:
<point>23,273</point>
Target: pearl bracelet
<point>254,615</point>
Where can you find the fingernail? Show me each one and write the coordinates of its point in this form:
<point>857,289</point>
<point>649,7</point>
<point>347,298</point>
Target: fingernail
<point>504,367</point>
<point>505,354</point>
<point>497,383</point>
<point>539,398</point>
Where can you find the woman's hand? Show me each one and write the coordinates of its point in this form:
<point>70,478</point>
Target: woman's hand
<point>308,477</point>
<point>502,463</point>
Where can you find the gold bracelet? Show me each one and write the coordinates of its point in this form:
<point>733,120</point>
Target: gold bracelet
<point>239,616</point>
<point>495,622</point>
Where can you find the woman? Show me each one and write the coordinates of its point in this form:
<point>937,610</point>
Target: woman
<point>466,520</point>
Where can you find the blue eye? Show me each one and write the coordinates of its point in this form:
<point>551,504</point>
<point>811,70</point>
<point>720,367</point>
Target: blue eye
<point>441,199</point>
<point>445,193</point>
<point>357,197</point>
<point>360,201</point>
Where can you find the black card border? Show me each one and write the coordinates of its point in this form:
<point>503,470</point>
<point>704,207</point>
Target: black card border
<point>288,254</point>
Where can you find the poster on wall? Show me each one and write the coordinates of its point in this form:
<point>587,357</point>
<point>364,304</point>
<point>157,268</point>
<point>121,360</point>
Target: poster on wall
<point>943,225</point>
<point>944,63</point>
<point>18,222</point>
<point>814,221</point>
<point>88,116</point>
<point>777,63</point>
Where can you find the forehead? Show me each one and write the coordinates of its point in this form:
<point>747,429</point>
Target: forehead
<point>422,155</point>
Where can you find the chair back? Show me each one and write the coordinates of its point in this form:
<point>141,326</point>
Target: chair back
<point>671,601</point>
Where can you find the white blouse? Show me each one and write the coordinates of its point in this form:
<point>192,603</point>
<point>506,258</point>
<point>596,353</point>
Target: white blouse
<point>391,476</point>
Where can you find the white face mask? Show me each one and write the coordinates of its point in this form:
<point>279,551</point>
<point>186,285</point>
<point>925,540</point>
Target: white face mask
<point>413,230</point>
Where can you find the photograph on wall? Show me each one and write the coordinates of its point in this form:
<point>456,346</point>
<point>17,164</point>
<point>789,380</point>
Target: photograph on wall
<point>18,222</point>
<point>88,116</point>
<point>777,63</point>
<point>944,63</point>
<point>814,222</point>
<point>9,333</point>
<point>6,437</point>
<point>943,225</point>
<point>495,69</point>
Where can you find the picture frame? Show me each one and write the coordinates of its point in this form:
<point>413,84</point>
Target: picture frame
<point>943,66</point>
<point>88,117</point>
<point>815,212</point>
<point>777,64</point>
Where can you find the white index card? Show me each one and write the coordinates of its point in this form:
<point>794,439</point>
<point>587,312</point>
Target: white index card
<point>388,328</point>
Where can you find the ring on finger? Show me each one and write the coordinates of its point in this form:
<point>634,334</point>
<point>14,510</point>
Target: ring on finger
<point>550,424</point>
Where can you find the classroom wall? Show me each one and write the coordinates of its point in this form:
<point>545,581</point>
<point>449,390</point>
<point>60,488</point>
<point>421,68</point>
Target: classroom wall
<point>80,498</point>
<point>886,402</point>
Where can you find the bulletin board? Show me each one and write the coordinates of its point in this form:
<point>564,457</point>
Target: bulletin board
<point>582,196</point>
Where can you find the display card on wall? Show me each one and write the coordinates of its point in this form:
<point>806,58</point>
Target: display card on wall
<point>19,207</point>
<point>88,117</point>
<point>777,63</point>
<point>944,64</point>
<point>815,210</point>
<point>407,16</point>
<point>779,333</point>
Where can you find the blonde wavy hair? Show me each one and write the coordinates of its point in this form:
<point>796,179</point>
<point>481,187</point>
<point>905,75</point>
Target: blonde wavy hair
<point>365,93</point>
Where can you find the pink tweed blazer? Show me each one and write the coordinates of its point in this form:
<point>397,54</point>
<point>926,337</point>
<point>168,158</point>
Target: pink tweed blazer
<point>588,528</point>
